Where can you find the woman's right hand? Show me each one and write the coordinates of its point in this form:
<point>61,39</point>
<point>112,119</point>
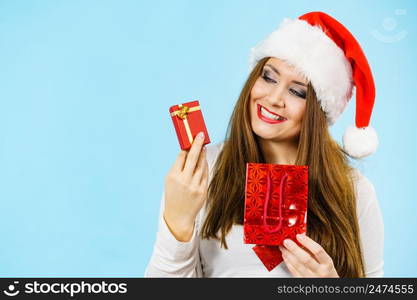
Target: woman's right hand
<point>186,190</point>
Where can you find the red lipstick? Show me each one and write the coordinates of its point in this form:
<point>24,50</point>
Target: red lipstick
<point>266,119</point>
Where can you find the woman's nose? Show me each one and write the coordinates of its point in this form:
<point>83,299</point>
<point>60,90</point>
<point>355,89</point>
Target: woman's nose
<point>277,97</point>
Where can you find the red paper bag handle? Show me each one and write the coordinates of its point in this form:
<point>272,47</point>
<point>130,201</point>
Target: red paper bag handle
<point>267,196</point>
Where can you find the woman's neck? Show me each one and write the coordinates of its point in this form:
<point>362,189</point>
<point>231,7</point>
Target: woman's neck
<point>282,153</point>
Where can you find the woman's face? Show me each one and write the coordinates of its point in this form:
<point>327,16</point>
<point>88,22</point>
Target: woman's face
<point>278,102</point>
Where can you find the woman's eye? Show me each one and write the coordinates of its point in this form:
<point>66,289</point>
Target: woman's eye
<point>266,78</point>
<point>298,94</point>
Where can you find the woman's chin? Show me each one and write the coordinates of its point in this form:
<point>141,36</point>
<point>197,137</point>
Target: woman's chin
<point>264,131</point>
<point>265,135</point>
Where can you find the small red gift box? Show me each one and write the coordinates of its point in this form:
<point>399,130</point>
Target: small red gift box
<point>188,122</point>
<point>275,208</point>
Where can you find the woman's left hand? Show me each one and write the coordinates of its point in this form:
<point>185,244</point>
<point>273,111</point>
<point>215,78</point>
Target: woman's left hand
<point>312,263</point>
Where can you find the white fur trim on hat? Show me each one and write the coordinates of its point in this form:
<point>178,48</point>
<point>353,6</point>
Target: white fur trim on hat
<point>316,56</point>
<point>360,142</point>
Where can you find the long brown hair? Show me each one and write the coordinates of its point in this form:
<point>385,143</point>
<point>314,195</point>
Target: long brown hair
<point>331,217</point>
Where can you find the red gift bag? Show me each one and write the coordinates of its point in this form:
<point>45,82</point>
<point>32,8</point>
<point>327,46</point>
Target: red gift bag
<point>188,122</point>
<point>275,207</point>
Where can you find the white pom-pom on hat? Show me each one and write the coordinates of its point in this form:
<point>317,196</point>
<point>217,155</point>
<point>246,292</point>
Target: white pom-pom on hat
<point>360,142</point>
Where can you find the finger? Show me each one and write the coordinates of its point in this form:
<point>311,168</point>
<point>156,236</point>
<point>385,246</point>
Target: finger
<point>198,172</point>
<point>302,256</point>
<point>193,155</point>
<point>180,160</point>
<point>296,264</point>
<point>293,270</point>
<point>319,253</point>
<point>204,178</point>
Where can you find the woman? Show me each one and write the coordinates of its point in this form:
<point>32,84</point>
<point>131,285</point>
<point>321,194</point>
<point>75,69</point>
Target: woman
<point>301,79</point>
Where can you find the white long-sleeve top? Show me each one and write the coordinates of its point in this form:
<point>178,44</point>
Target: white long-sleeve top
<point>204,258</point>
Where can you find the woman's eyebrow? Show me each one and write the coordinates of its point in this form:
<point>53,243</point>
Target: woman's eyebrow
<point>276,71</point>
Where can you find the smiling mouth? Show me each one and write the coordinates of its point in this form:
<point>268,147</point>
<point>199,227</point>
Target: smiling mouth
<point>269,117</point>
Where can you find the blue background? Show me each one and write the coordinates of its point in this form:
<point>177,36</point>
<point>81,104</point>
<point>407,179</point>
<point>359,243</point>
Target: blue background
<point>86,139</point>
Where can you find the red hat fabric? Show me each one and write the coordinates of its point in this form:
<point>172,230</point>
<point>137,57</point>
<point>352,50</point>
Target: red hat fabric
<point>361,72</point>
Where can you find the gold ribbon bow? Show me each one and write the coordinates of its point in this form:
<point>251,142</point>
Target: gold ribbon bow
<point>182,114</point>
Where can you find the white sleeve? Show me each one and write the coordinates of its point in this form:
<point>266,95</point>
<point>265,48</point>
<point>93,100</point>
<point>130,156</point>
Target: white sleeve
<point>172,258</point>
<point>371,228</point>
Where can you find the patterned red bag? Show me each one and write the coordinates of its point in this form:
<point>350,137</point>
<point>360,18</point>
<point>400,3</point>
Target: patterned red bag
<point>275,207</point>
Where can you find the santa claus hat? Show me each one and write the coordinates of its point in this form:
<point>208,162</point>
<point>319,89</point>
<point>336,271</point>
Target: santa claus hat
<point>329,56</point>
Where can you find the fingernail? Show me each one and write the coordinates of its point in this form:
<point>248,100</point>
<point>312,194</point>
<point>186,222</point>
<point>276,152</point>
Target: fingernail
<point>200,136</point>
<point>300,237</point>
<point>287,243</point>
